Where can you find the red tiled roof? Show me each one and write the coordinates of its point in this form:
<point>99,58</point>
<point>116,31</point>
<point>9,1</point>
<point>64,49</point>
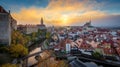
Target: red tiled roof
<point>118,50</point>
<point>109,51</point>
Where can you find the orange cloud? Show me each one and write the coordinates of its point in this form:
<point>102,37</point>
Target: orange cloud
<point>59,12</point>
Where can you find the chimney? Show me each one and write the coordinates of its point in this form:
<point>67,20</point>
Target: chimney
<point>9,11</point>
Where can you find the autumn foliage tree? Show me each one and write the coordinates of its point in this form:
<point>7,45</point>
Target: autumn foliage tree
<point>9,65</point>
<point>19,38</point>
<point>18,50</point>
<point>18,44</point>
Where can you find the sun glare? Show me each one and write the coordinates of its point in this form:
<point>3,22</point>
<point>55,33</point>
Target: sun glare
<point>64,19</point>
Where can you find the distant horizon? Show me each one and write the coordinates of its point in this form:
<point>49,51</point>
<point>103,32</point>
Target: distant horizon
<point>76,25</point>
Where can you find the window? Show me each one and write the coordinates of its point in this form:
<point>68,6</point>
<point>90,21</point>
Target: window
<point>3,17</point>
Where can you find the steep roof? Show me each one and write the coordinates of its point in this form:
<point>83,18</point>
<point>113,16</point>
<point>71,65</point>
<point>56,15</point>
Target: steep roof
<point>2,10</point>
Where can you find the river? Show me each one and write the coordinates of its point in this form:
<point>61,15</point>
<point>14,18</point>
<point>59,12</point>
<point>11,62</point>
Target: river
<point>32,59</point>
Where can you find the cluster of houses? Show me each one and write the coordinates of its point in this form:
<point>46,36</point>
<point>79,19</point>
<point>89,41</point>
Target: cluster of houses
<point>89,38</point>
<point>86,37</point>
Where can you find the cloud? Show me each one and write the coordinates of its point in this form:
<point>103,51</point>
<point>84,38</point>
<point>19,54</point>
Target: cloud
<point>60,12</point>
<point>109,20</point>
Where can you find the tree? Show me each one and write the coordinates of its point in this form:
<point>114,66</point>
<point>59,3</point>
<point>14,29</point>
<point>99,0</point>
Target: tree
<point>48,35</point>
<point>18,50</point>
<point>33,36</point>
<point>4,49</point>
<point>19,38</point>
<point>97,55</point>
<point>9,65</point>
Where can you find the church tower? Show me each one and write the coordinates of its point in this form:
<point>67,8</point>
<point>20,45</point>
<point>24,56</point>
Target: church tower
<point>41,21</point>
<point>41,26</point>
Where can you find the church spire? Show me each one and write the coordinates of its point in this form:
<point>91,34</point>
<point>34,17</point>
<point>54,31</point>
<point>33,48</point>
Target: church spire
<point>41,21</point>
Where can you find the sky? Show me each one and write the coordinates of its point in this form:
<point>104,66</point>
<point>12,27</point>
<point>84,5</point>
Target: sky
<point>65,12</point>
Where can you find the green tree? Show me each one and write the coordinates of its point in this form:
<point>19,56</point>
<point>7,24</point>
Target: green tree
<point>48,35</point>
<point>39,32</point>
<point>4,49</point>
<point>18,50</point>
<point>33,36</point>
<point>28,38</point>
<point>97,55</point>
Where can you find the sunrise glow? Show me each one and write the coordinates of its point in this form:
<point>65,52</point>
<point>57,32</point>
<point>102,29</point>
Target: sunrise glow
<point>66,12</point>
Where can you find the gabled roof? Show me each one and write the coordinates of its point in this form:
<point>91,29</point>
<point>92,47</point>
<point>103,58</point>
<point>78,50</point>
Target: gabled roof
<point>2,10</point>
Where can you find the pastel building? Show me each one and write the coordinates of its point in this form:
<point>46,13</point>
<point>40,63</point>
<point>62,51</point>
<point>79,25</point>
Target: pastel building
<point>28,29</point>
